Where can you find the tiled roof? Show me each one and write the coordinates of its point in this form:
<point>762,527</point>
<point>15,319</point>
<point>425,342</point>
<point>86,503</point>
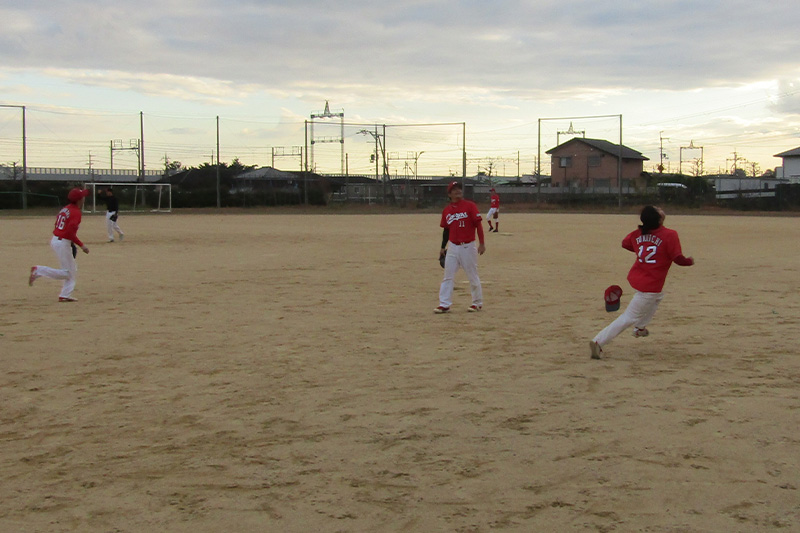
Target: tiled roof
<point>789,153</point>
<point>604,146</point>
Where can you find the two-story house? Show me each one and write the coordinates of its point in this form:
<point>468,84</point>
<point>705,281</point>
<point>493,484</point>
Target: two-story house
<point>592,164</point>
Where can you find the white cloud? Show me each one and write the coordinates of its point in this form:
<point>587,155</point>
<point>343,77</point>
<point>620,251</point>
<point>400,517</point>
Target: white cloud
<point>492,63</point>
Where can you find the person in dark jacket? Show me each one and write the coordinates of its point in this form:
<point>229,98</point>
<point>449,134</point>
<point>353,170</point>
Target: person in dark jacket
<point>112,215</point>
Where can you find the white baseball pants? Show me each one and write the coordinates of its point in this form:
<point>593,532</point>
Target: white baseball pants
<point>112,226</point>
<point>490,214</point>
<point>639,313</point>
<point>69,267</point>
<point>466,257</point>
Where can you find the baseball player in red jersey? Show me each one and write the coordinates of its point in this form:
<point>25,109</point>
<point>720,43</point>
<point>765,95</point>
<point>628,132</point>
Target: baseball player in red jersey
<point>494,211</point>
<point>65,234</point>
<point>656,248</point>
<point>460,220</point>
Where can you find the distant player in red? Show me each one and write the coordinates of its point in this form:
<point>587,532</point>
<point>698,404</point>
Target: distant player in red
<point>656,248</point>
<point>65,234</point>
<point>494,211</point>
<point>460,220</point>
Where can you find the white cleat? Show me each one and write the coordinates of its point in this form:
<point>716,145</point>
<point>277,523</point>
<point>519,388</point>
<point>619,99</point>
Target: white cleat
<point>596,350</point>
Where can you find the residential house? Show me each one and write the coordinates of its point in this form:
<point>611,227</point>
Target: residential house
<point>582,163</point>
<point>791,165</point>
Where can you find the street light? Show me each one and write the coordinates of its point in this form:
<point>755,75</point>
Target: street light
<point>24,158</point>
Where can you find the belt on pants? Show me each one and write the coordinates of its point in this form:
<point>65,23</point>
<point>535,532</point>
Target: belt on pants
<point>462,242</point>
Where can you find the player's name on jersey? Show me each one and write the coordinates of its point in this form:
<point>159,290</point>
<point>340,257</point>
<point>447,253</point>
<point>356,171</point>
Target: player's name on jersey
<point>648,238</point>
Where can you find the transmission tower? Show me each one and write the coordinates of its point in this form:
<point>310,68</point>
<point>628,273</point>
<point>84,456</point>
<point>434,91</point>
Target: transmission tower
<point>699,161</point>
<point>326,114</point>
<point>116,145</point>
<point>282,151</point>
<point>570,131</point>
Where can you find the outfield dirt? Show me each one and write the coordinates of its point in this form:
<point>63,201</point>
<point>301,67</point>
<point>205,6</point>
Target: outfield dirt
<point>286,373</point>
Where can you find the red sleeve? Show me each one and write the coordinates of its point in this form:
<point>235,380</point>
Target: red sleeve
<point>674,248</point>
<point>73,222</point>
<point>476,220</point>
<point>627,243</point>
<point>683,261</point>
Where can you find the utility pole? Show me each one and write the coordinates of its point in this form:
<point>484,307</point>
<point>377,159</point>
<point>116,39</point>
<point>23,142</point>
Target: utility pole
<point>219,201</point>
<point>141,146</point>
<point>661,151</point>
<point>735,161</point>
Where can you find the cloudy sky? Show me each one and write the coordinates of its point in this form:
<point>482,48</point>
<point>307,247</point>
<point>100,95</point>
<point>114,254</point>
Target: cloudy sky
<point>723,75</point>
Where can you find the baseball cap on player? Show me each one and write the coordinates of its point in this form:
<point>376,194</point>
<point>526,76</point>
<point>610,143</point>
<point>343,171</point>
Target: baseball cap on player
<point>453,185</point>
<point>492,189</point>
<point>76,194</point>
<point>612,296</point>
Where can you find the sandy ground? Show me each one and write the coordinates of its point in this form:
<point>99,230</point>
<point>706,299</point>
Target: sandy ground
<point>286,373</point>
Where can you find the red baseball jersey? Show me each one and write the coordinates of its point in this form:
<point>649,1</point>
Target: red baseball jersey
<point>655,253</point>
<point>495,201</point>
<point>67,222</point>
<point>462,218</point>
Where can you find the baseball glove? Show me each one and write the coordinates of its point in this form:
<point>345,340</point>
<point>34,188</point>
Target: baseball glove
<point>441,258</point>
<point>113,217</point>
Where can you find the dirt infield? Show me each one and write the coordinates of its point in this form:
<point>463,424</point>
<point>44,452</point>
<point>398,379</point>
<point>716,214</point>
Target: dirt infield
<point>287,373</point>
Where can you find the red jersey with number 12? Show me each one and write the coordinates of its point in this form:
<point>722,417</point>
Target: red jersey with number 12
<point>655,253</point>
<point>461,218</point>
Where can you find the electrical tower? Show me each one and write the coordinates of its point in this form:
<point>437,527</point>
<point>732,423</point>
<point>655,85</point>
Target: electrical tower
<point>570,131</point>
<point>326,114</point>
<point>293,151</point>
<point>116,145</point>
<point>698,162</point>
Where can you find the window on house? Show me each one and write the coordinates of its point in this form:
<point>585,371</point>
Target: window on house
<point>564,162</point>
<point>594,160</point>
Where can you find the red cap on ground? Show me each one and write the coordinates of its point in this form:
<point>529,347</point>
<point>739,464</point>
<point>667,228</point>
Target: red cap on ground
<point>612,296</point>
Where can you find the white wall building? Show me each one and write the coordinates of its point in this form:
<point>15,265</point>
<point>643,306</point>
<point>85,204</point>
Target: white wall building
<point>791,165</point>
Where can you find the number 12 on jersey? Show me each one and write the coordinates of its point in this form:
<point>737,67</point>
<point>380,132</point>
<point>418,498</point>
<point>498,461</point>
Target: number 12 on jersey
<point>650,252</point>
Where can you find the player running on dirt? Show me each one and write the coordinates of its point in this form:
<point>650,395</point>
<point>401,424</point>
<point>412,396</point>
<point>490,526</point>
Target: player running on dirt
<point>656,248</point>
